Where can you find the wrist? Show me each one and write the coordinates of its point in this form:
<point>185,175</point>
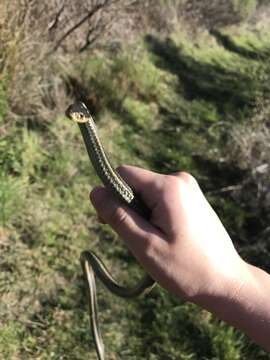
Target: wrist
<point>225,288</point>
<point>242,301</point>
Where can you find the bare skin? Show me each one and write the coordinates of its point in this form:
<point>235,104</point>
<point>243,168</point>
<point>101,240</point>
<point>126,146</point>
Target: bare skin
<point>186,249</point>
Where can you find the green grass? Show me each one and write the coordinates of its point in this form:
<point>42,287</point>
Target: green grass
<point>243,41</point>
<point>244,7</point>
<point>3,95</point>
<point>10,339</point>
<point>165,106</point>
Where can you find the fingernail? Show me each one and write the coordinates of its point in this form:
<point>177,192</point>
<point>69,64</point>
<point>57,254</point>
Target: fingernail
<point>97,195</point>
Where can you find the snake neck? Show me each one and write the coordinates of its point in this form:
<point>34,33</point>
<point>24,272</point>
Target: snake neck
<point>102,164</point>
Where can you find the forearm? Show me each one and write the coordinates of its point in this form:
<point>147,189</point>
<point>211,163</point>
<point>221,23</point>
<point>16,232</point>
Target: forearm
<point>245,305</point>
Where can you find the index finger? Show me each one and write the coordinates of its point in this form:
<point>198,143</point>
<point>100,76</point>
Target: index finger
<point>147,184</point>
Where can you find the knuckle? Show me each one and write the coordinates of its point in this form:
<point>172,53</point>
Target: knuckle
<point>150,247</point>
<point>185,179</point>
<point>118,217</point>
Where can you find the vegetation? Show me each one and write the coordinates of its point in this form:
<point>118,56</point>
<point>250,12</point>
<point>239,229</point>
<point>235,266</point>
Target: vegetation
<point>244,7</point>
<point>193,100</point>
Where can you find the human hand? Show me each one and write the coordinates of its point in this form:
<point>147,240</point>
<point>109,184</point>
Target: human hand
<point>184,247</point>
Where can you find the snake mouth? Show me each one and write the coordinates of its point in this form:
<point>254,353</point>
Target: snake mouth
<point>78,112</point>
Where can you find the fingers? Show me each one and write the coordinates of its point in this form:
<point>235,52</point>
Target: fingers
<point>144,182</point>
<point>139,235</point>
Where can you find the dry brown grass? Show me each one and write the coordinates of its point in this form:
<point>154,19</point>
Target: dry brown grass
<point>218,13</point>
<point>39,41</point>
<point>37,45</point>
<point>25,59</point>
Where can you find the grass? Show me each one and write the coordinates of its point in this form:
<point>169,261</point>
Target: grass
<point>165,106</point>
<point>244,7</point>
<point>3,97</point>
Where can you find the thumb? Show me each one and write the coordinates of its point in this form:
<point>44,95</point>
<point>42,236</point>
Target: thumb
<point>138,234</point>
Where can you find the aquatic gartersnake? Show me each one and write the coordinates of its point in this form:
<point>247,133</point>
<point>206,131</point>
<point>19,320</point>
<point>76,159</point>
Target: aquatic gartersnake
<point>91,263</point>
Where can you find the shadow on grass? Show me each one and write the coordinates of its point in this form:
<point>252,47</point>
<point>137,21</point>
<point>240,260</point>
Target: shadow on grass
<point>169,330</point>
<point>227,42</point>
<point>210,82</point>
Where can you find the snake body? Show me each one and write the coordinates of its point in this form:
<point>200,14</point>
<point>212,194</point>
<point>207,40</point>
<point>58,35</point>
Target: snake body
<point>91,263</point>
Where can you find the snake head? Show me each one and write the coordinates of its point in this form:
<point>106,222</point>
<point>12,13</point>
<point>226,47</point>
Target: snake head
<point>78,112</point>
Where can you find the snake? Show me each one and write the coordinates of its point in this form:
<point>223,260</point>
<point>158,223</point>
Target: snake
<point>92,265</point>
